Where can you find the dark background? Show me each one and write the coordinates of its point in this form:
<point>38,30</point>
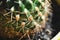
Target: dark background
<point>55,18</point>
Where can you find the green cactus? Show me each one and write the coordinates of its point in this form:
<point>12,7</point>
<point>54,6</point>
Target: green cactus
<point>26,16</point>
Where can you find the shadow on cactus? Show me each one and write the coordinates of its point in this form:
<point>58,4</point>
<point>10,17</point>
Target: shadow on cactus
<point>24,18</point>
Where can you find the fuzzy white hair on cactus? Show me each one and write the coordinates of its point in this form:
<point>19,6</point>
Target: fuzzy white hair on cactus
<point>25,10</point>
<point>12,9</point>
<point>19,2</point>
<point>17,17</point>
<point>43,17</point>
<point>36,8</point>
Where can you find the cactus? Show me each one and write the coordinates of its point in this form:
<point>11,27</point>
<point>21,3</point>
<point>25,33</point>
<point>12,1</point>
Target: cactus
<point>24,18</point>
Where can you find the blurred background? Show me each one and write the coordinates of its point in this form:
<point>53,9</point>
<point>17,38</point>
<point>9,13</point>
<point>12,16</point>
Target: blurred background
<point>56,16</point>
